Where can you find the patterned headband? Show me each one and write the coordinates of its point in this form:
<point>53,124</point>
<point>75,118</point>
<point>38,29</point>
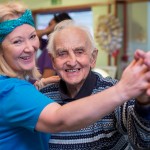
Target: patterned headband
<point>8,26</point>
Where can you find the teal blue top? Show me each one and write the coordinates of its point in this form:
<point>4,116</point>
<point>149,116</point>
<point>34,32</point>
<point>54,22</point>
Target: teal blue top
<point>20,106</point>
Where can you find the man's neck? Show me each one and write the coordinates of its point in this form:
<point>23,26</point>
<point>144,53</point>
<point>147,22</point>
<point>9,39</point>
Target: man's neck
<point>73,90</point>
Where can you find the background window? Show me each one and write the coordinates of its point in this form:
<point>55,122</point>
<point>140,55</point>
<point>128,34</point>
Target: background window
<point>84,17</point>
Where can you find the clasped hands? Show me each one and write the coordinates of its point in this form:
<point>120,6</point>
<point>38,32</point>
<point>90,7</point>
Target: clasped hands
<point>144,98</point>
<point>135,79</point>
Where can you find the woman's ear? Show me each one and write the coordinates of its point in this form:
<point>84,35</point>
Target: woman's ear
<point>94,57</point>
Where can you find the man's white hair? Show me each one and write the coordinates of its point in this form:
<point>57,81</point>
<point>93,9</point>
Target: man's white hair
<point>67,24</point>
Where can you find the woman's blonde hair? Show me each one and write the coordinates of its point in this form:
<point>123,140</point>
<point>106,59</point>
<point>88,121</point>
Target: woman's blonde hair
<point>7,12</point>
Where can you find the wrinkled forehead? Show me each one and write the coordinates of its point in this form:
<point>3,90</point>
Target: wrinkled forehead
<point>71,43</point>
<point>72,30</point>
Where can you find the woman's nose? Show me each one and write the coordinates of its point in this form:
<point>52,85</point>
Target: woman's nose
<point>29,46</point>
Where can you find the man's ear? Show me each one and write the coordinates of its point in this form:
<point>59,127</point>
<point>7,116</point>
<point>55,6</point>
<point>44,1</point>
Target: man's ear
<point>94,57</point>
<point>52,60</point>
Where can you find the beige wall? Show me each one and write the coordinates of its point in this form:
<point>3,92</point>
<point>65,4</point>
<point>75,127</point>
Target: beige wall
<point>36,4</point>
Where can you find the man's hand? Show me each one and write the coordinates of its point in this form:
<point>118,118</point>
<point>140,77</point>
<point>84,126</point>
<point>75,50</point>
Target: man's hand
<point>144,100</point>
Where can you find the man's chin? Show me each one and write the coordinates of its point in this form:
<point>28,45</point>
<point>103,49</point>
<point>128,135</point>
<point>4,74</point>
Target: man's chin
<point>72,83</point>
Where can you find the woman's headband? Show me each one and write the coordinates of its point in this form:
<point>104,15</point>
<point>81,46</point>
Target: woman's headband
<point>8,26</point>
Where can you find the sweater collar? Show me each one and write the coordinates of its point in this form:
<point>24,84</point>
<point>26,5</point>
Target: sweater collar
<point>86,89</point>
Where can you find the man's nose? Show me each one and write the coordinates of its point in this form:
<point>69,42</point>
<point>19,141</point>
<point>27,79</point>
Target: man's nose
<point>72,60</point>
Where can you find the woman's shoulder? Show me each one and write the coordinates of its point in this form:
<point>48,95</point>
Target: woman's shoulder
<point>8,83</point>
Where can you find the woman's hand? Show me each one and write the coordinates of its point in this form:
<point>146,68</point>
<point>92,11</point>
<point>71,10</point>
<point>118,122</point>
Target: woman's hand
<point>44,81</point>
<point>140,54</point>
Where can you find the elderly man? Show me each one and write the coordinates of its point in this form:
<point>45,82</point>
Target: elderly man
<point>73,55</point>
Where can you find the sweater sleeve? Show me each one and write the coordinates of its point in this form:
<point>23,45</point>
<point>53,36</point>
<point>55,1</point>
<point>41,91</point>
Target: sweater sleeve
<point>135,124</point>
<point>143,111</point>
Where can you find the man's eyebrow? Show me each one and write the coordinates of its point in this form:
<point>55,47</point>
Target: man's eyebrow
<point>61,49</point>
<point>79,47</point>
